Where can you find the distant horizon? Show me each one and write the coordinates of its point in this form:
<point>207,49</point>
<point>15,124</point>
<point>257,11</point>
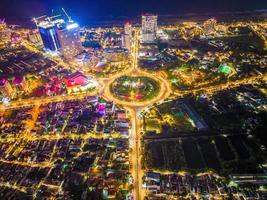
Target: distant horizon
<point>85,11</point>
<point>104,20</point>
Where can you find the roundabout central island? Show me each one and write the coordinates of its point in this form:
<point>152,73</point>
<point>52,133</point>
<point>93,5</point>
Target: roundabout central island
<point>134,88</point>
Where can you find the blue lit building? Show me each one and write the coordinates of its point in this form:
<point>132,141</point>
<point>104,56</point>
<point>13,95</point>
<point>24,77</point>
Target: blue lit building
<point>49,35</point>
<point>60,36</point>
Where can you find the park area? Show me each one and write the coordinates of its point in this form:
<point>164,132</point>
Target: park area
<point>184,76</point>
<point>135,88</point>
<point>168,119</point>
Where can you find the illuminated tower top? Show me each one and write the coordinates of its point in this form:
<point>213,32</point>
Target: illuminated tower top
<point>149,23</point>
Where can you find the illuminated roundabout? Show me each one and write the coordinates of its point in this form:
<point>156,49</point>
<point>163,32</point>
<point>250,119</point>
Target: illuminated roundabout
<point>136,89</point>
<point>132,83</point>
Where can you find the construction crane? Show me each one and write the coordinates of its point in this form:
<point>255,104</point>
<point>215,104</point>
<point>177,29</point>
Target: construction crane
<point>69,18</point>
<point>52,17</point>
<point>35,19</point>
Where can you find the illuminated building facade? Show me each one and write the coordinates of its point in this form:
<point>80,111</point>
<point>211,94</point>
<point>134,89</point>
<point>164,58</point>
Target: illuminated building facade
<point>149,28</point>
<point>76,79</point>
<point>49,35</point>
<point>60,36</point>
<point>20,84</point>
<point>127,37</point>
<point>5,88</point>
<point>69,38</point>
<point>35,38</point>
<point>101,109</point>
<point>210,26</point>
<point>5,34</point>
<point>128,28</point>
<point>78,82</point>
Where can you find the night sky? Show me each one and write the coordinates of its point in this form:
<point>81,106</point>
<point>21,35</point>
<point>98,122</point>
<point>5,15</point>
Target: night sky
<point>86,10</point>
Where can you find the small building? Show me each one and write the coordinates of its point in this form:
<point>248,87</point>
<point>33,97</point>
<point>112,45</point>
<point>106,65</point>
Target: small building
<point>122,124</point>
<point>101,109</point>
<point>5,88</point>
<point>20,84</point>
<point>110,107</point>
<point>150,176</point>
<point>121,115</point>
<point>79,82</point>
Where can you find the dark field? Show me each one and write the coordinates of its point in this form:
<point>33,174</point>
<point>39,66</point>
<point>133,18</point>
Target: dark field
<point>218,153</point>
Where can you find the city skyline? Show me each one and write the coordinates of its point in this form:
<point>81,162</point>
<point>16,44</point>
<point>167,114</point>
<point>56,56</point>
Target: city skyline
<point>157,108</point>
<point>96,11</point>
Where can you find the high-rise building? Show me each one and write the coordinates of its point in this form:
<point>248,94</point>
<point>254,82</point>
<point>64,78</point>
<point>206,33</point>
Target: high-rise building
<point>127,37</point>
<point>48,31</point>
<point>69,38</point>
<point>5,34</point>
<point>149,28</point>
<point>60,36</point>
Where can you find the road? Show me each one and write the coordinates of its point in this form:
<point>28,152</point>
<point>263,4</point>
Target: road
<point>134,108</point>
<point>103,90</point>
<point>223,86</point>
<point>48,99</point>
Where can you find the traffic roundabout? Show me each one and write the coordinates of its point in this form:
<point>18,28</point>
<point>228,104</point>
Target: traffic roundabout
<point>134,88</point>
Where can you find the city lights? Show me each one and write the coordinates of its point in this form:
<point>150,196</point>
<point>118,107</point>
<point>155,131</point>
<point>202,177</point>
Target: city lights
<point>156,107</point>
<point>71,26</point>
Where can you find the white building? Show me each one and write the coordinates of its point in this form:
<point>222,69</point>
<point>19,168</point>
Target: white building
<point>70,42</point>
<point>149,28</point>
<point>127,37</point>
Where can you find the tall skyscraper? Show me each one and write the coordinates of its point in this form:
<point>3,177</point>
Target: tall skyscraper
<point>60,36</point>
<point>127,37</point>
<point>48,31</point>
<point>69,38</point>
<point>149,28</point>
